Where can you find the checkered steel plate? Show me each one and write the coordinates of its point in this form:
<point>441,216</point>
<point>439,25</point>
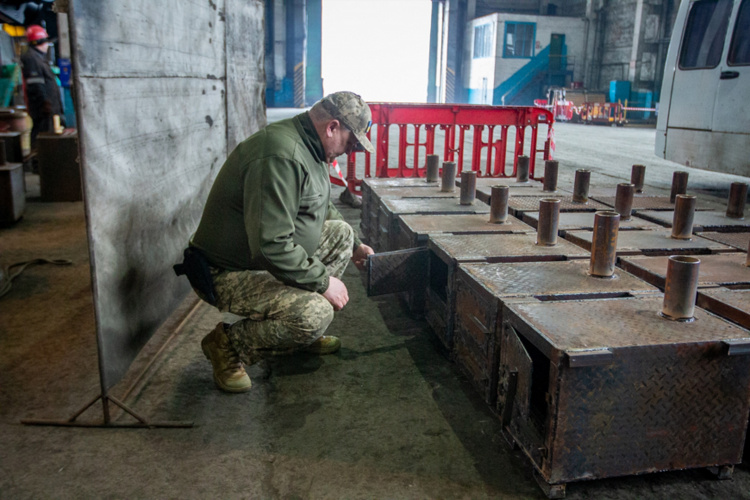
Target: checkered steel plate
<point>739,241</point>
<point>668,397</point>
<point>501,248</point>
<point>661,203</point>
<point>618,323</point>
<point>720,269</point>
<point>484,193</point>
<point>433,206</point>
<point>568,278</point>
<point>731,304</point>
<point>462,223</point>
<point>505,181</point>
<point>598,192</point>
<point>585,221</point>
<point>635,242</point>
<point>709,220</point>
<point>415,192</point>
<point>392,182</point>
<point>531,204</point>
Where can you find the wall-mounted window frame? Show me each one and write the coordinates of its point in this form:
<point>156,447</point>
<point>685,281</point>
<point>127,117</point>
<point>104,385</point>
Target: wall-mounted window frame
<point>519,40</point>
<point>482,41</point>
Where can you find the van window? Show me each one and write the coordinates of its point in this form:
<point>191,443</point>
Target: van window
<point>703,41</point>
<point>739,50</point>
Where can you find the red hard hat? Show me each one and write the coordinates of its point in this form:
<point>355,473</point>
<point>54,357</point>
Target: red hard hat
<point>35,34</point>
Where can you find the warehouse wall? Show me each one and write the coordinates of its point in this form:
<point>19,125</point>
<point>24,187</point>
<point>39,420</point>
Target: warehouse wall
<point>164,91</point>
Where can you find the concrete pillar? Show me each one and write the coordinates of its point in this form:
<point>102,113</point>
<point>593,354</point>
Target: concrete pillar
<point>434,54</point>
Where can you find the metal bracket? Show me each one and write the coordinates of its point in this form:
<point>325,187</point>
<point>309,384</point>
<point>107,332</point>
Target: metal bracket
<point>589,357</point>
<point>737,347</point>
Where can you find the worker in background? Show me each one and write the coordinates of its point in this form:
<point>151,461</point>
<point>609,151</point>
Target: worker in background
<point>274,245</point>
<point>42,92</point>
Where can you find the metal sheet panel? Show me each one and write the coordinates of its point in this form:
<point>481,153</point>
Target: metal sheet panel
<point>653,242</point>
<point>151,107</point>
<point>399,271</point>
<point>400,206</point>
<point>422,225</point>
<point>566,279</point>
<point>519,204</point>
<point>739,241</point>
<point>722,269</point>
<point>709,220</point>
<point>660,203</point>
<point>501,248</point>
<point>733,305</point>
<point>585,221</point>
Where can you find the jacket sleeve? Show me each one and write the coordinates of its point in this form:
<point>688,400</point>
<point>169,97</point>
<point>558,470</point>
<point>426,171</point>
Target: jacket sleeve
<point>334,214</point>
<point>271,205</point>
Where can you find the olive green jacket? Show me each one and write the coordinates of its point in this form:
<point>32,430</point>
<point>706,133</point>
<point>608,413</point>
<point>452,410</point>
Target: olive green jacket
<point>267,206</point>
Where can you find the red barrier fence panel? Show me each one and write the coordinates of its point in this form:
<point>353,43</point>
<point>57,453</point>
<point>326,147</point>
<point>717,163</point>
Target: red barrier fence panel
<point>475,137</point>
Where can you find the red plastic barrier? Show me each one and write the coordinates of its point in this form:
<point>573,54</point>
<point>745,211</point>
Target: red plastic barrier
<point>455,120</point>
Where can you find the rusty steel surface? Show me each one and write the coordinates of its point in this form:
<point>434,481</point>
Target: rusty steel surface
<point>709,220</point>
<point>654,242</point>
<point>585,221</point>
<point>432,206</point>
<point>733,305</point>
<point>641,203</point>
<point>587,324</point>
<point>484,193</point>
<point>399,182</point>
<point>739,241</point>
<point>550,279</point>
<point>461,224</point>
<point>412,192</point>
<point>521,203</point>
<point>719,269</point>
<point>650,395</point>
<point>501,248</point>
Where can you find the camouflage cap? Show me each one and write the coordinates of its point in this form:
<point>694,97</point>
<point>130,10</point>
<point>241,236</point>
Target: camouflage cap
<point>353,112</point>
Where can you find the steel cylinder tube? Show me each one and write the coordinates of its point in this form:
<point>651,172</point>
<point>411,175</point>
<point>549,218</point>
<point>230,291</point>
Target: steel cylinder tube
<point>624,200</point>
<point>549,219</point>
<point>433,168</point>
<point>550,175</point>
<point>737,199</point>
<point>449,177</point>
<point>679,185</point>
<point>499,204</point>
<point>581,186</point>
<point>681,287</point>
<point>468,187</point>
<point>522,169</point>
<point>638,177</point>
<point>684,213</point>
<point>604,244</point>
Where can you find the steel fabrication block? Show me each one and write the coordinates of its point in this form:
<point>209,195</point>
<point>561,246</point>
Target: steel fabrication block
<point>587,400</point>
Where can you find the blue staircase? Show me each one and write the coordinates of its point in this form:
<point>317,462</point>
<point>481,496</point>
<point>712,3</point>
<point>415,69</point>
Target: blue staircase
<point>524,85</point>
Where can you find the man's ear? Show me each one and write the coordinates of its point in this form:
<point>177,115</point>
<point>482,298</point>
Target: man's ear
<point>332,126</point>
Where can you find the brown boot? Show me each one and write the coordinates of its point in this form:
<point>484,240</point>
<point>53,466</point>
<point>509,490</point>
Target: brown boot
<point>325,344</point>
<point>229,374</point>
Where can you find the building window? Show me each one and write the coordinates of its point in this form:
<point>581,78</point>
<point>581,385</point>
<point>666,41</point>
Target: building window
<point>482,41</point>
<point>703,41</point>
<point>739,51</point>
<point>519,39</point>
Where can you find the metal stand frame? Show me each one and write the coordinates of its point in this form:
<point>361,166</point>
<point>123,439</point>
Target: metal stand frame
<point>107,422</point>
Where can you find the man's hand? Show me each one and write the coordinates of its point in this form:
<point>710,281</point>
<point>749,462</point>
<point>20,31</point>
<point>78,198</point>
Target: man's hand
<point>359,257</point>
<point>336,293</point>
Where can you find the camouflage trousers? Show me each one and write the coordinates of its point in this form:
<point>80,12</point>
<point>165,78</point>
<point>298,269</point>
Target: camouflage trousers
<point>281,317</point>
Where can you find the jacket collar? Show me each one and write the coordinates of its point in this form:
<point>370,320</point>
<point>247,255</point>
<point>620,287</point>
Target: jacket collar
<point>309,136</point>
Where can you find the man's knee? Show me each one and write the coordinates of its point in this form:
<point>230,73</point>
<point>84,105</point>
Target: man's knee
<point>312,320</point>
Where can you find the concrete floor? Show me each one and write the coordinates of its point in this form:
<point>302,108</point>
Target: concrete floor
<point>387,417</point>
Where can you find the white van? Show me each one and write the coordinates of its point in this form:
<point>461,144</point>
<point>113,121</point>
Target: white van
<point>704,113</point>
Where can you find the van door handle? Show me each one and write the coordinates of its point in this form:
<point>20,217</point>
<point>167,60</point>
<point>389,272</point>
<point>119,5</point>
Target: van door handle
<point>728,75</point>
